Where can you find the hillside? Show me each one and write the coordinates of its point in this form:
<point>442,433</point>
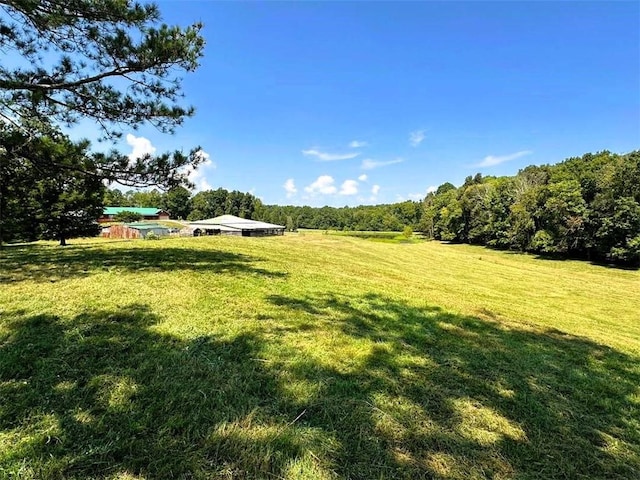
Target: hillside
<point>314,356</point>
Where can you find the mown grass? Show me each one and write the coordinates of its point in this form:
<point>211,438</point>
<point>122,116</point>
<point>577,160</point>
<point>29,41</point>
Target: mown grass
<point>387,237</point>
<point>314,356</point>
<point>382,237</point>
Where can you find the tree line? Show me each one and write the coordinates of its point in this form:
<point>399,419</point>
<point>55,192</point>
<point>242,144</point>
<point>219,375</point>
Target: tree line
<point>212,203</point>
<point>386,217</point>
<point>585,207</point>
<point>181,204</point>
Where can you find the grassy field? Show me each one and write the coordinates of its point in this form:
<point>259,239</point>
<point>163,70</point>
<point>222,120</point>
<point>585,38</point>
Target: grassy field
<point>388,237</point>
<point>314,356</point>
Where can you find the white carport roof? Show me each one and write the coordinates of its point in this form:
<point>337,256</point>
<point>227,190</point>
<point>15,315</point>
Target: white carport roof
<point>231,222</point>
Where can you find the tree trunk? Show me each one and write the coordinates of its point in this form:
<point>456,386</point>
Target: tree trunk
<point>63,241</point>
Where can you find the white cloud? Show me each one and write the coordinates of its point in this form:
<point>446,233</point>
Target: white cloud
<point>492,160</point>
<point>198,176</point>
<point>290,187</point>
<point>416,138</point>
<point>363,177</point>
<point>374,193</point>
<point>323,184</point>
<point>349,187</point>
<point>358,144</point>
<point>329,157</point>
<point>203,185</point>
<point>369,164</point>
<point>420,196</point>
<point>140,146</point>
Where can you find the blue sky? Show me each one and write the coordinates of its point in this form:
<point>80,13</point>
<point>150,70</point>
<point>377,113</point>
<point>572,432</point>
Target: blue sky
<point>333,103</point>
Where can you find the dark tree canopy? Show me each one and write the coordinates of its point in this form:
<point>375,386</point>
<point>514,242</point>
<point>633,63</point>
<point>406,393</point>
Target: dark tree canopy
<point>105,60</point>
<point>584,207</point>
<point>48,188</point>
<point>127,216</point>
<point>177,202</point>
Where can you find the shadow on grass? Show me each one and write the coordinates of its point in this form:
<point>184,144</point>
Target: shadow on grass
<point>47,263</point>
<point>447,396</point>
<point>598,263</point>
<point>433,395</point>
<point>102,395</point>
<point>559,257</point>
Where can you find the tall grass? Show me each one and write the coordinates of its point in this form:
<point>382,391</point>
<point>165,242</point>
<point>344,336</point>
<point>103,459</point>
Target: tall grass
<point>314,356</point>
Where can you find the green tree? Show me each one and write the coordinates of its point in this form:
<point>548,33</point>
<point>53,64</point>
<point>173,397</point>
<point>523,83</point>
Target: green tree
<point>213,203</point>
<point>291,226</point>
<point>444,188</point>
<point>71,205</point>
<point>429,215</point>
<point>18,206</point>
<point>109,61</point>
<point>177,202</point>
<point>146,198</point>
<point>563,217</point>
<point>127,216</point>
<point>618,236</point>
<point>528,188</point>
<point>500,197</point>
<point>208,204</point>
<point>474,202</point>
<point>115,198</point>
<point>59,194</point>
<point>448,215</point>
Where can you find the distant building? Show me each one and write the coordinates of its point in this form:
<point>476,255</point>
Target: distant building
<point>147,213</point>
<point>134,230</point>
<point>232,225</point>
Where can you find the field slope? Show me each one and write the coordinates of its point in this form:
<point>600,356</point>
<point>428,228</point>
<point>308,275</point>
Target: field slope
<point>314,357</point>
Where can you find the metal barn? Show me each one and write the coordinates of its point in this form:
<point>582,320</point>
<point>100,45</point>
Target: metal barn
<point>232,225</point>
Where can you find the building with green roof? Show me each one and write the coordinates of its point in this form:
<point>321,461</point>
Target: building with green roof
<point>148,213</point>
